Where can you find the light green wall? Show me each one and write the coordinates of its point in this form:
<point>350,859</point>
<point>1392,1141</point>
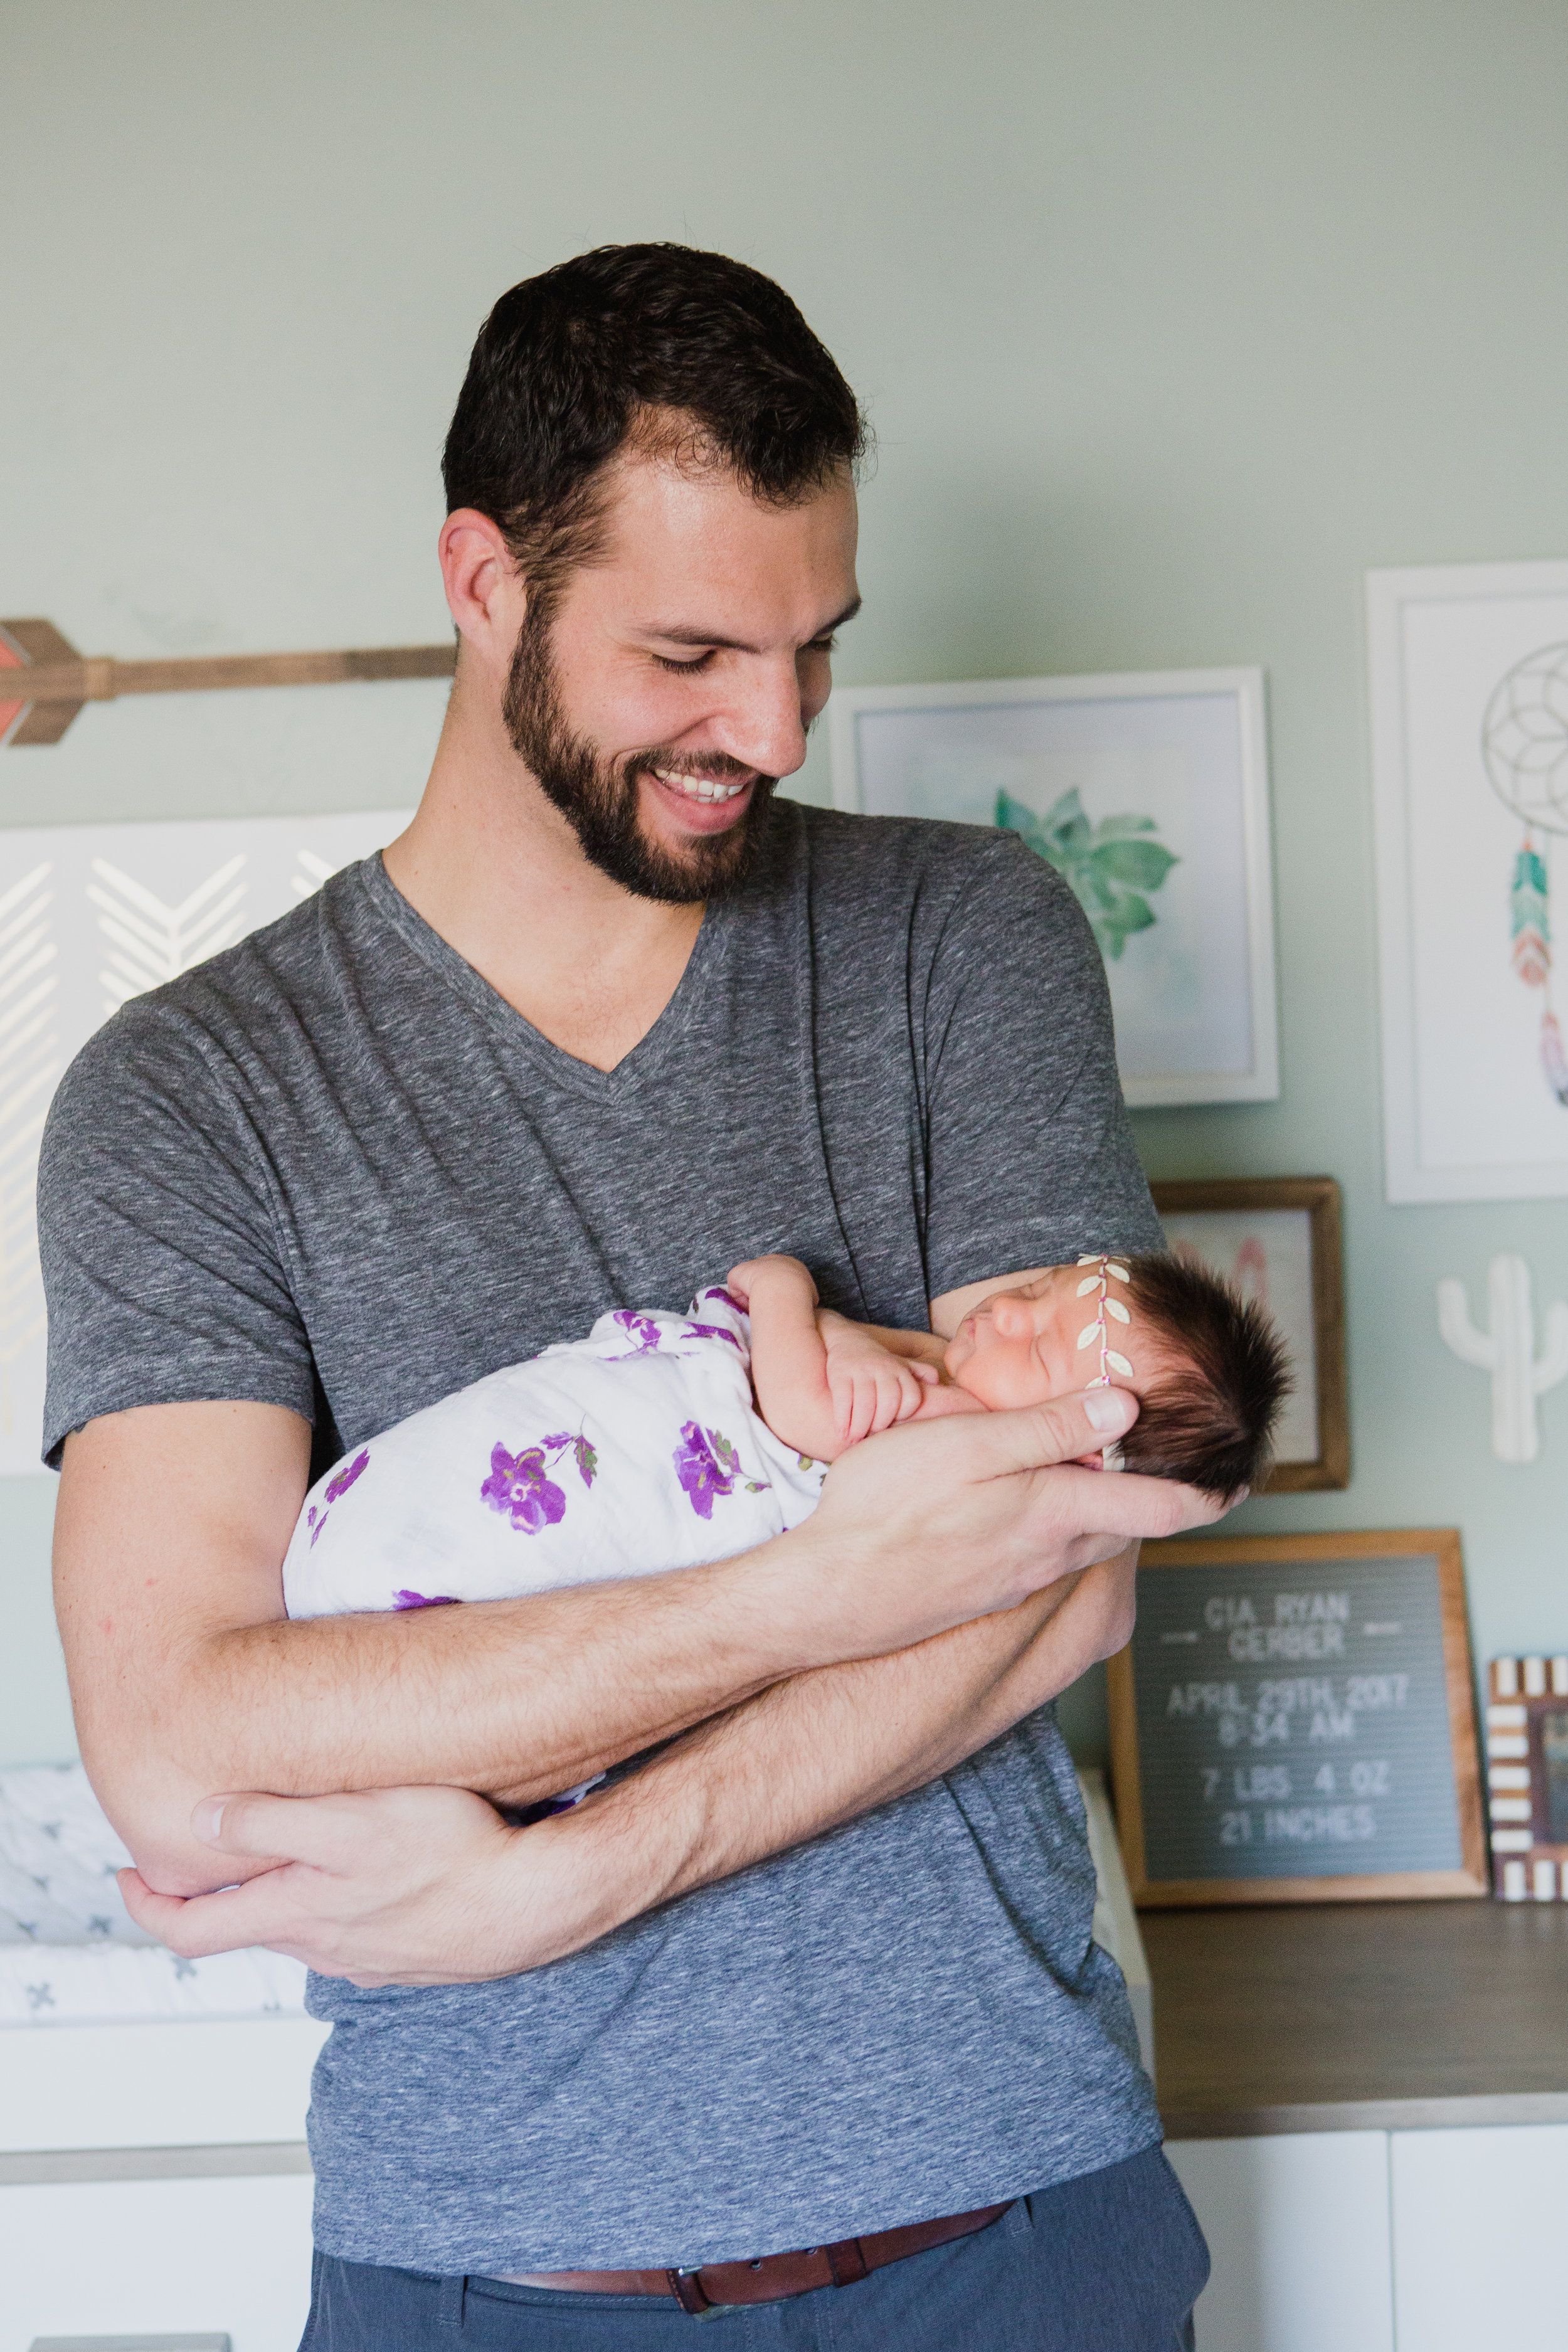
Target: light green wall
<point>1171,321</point>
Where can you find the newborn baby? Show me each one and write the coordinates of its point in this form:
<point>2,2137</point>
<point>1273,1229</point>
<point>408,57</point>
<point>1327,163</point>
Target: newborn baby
<point>663,1441</point>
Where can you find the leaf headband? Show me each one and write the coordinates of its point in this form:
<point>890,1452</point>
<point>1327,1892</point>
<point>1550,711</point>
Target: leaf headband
<point>1098,1285</point>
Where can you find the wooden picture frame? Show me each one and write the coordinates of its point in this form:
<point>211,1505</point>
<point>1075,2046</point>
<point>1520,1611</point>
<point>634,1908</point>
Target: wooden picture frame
<point>1324,1459</point>
<point>1454,1706</point>
<point>1527,1778</point>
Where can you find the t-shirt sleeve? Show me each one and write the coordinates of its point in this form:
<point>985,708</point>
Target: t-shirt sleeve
<point>1030,1159</point>
<point>164,1275</point>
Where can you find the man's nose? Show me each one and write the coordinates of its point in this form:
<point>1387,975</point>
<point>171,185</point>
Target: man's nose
<point>762,727</point>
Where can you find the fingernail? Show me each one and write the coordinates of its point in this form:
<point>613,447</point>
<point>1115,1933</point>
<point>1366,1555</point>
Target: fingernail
<point>1109,1411</point>
<point>207,1820</point>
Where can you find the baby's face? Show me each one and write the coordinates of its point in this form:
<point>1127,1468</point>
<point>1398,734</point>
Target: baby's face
<point>1020,1346</point>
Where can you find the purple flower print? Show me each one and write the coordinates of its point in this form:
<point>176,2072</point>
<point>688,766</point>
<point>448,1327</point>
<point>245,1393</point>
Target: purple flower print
<point>518,1487</point>
<point>640,1327</point>
<point>425,1600</point>
<point>710,1331</point>
<point>337,1485</point>
<point>341,1480</point>
<point>727,1298</point>
<point>705,1465</point>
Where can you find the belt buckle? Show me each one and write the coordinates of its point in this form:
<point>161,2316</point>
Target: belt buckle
<point>686,2285</point>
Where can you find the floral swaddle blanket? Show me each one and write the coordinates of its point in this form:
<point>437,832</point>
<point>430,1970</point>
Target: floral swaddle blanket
<point>631,1453</point>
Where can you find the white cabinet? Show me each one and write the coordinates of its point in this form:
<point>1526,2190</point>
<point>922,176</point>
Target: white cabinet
<point>157,2257</point>
<point>1480,2237</point>
<point>1446,2241</point>
<point>1298,2232</point>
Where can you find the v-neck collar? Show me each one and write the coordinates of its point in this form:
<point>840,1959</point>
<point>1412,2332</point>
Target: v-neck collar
<point>647,1058</point>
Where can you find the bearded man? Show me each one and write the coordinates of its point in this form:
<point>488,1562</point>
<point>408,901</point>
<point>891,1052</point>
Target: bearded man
<point>799,2016</point>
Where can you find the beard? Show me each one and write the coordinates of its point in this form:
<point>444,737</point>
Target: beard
<point>599,797</point>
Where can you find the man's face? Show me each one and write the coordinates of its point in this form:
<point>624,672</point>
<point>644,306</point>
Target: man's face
<point>681,671</point>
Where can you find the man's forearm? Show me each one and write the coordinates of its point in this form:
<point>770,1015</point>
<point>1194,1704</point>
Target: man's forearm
<point>813,1752</point>
<point>515,1699</point>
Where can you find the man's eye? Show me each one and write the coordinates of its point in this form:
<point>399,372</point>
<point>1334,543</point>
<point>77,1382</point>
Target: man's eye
<point>701,662</point>
<point>823,646</point>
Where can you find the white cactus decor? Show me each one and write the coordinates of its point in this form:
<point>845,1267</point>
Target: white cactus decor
<point>1507,1350</point>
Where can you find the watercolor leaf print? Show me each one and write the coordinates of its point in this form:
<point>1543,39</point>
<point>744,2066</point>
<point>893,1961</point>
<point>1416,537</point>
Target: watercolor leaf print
<point>710,1331</point>
<point>640,1327</point>
<point>725,1298</point>
<point>587,1460</point>
<point>1113,868</point>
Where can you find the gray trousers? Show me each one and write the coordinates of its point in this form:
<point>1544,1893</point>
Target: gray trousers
<point>1110,2262</point>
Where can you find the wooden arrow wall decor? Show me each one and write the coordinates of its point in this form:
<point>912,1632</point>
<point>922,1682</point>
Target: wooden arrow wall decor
<point>43,681</point>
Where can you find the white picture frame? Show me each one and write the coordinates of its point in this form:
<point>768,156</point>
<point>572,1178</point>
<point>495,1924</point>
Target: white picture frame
<point>1469,1113</point>
<point>1176,758</point>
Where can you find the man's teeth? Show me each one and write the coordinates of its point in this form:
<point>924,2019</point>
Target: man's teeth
<point>697,788</point>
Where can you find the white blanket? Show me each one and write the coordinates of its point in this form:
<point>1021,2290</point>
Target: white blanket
<point>630,1453</point>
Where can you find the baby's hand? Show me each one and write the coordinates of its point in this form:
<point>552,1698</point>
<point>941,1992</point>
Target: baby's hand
<point>871,1388</point>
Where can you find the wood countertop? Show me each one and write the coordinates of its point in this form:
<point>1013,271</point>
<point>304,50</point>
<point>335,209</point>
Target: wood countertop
<point>1359,2016</point>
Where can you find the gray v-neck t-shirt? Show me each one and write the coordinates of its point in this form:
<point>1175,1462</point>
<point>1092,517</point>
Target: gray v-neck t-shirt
<point>332,1170</point>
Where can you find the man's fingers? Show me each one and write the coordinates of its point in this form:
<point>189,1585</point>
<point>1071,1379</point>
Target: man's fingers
<point>1060,1429</point>
<point>197,1926</point>
<point>1137,1509</point>
<point>322,1831</point>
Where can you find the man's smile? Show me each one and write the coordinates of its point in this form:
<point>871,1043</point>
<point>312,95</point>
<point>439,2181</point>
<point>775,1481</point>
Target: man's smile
<point>707,803</point>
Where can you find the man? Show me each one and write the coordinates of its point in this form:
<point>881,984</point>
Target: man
<point>606,1019</point>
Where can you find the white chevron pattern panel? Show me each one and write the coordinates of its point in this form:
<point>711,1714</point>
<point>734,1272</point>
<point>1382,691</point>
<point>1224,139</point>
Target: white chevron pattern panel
<point>91,916</point>
<point>148,941</point>
<point>29,1066</point>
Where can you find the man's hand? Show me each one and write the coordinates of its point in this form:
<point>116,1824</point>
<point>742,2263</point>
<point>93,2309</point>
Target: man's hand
<point>927,1525</point>
<point>413,1887</point>
<point>427,1887</point>
<point>186,1677</point>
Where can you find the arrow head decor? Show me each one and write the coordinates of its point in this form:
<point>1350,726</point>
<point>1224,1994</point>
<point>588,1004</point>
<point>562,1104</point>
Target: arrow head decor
<point>43,681</point>
<point>1507,1350</point>
<point>23,644</point>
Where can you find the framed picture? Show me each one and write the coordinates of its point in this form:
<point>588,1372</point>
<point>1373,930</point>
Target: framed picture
<point>1294,1721</point>
<point>1469,669</point>
<point>1150,794</point>
<point>1277,1238</point>
<point>1527,1778</point>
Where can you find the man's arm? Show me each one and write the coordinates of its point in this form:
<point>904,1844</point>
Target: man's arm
<point>187,1679</point>
<point>367,1899</point>
<point>186,1675</point>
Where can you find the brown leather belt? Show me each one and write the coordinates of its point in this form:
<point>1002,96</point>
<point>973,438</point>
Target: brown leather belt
<point>772,2277</point>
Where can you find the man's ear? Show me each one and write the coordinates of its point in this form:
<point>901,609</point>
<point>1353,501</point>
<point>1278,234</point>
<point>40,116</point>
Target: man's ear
<point>485,593</point>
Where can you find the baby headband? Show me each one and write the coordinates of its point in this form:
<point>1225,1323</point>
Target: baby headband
<point>1098,1285</point>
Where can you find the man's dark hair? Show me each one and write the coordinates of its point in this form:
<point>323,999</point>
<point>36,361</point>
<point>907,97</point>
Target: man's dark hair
<point>691,354</point>
<point>1208,1424</point>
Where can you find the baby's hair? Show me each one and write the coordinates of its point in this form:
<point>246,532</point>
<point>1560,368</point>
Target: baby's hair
<point>1210,1423</point>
